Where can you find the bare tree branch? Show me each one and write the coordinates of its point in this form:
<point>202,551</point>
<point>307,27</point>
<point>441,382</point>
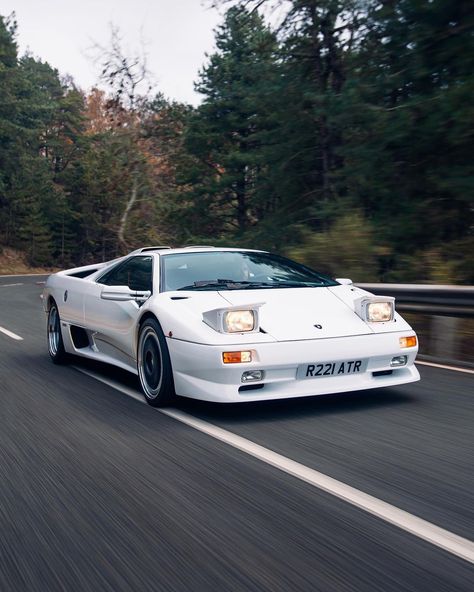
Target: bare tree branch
<point>127,76</point>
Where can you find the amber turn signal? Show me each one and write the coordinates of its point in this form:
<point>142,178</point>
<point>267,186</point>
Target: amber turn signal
<point>236,357</point>
<point>408,341</point>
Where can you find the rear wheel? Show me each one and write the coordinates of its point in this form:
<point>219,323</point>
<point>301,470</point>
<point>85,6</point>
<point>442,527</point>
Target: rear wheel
<point>154,365</point>
<point>55,338</point>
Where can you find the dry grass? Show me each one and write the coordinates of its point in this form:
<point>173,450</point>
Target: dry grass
<point>14,262</point>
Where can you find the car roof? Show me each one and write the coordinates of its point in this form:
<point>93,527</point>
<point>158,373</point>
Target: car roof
<point>96,270</point>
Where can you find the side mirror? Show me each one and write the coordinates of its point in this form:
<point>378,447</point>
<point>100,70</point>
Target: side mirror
<point>344,281</point>
<point>124,294</point>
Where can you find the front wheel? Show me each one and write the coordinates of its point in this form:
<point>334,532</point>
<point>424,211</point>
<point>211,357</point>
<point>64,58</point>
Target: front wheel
<point>55,338</point>
<point>154,365</point>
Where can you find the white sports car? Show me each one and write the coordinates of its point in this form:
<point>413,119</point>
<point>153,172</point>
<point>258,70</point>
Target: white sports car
<point>227,325</point>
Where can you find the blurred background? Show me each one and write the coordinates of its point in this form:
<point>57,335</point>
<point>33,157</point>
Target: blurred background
<point>339,133</point>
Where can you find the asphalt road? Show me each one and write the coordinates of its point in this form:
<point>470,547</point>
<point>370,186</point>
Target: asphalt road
<point>100,492</point>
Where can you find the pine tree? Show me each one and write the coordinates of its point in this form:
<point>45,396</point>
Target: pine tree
<point>411,163</point>
<point>224,134</point>
<point>12,128</point>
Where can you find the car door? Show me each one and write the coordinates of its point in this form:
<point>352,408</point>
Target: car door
<point>112,323</point>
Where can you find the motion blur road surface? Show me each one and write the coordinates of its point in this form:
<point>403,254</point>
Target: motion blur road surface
<point>101,492</point>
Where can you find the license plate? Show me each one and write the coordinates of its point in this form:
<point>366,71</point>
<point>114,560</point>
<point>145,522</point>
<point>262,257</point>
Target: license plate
<point>323,370</point>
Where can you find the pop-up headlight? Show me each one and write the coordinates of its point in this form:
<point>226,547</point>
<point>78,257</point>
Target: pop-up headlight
<point>234,319</point>
<point>238,321</point>
<point>375,309</point>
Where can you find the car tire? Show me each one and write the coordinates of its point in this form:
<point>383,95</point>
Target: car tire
<point>154,365</point>
<point>55,338</point>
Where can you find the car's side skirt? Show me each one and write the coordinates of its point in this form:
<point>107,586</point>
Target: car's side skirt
<point>93,353</point>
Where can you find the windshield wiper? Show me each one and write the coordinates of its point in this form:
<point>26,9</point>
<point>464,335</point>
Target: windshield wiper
<point>280,284</point>
<point>246,285</point>
<point>219,283</point>
<point>289,284</point>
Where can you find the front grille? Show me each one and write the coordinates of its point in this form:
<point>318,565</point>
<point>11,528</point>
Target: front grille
<point>250,387</point>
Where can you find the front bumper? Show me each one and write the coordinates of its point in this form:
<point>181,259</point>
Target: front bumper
<point>200,373</point>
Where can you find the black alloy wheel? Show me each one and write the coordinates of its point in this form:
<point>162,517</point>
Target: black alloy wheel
<point>154,365</point>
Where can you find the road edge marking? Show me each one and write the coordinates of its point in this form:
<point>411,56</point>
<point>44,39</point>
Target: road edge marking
<point>437,536</point>
<point>10,334</point>
<point>445,367</point>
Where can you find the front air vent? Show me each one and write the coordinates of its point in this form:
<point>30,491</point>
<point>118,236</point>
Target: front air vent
<point>250,387</point>
<point>382,373</point>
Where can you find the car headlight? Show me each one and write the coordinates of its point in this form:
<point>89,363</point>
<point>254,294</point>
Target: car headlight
<point>378,312</point>
<point>375,309</point>
<point>238,321</point>
<point>234,319</point>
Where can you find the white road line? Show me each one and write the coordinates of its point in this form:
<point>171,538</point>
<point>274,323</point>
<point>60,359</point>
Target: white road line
<point>10,334</point>
<point>423,529</point>
<point>9,285</point>
<point>25,274</point>
<point>444,367</point>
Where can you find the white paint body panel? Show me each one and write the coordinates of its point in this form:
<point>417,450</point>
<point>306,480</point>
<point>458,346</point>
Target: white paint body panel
<point>114,323</point>
<point>290,338</point>
<point>199,372</point>
<point>291,314</point>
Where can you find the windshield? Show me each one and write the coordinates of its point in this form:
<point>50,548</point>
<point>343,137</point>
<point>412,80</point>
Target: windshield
<point>233,270</point>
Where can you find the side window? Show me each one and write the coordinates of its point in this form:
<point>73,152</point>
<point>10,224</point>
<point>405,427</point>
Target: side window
<point>136,273</point>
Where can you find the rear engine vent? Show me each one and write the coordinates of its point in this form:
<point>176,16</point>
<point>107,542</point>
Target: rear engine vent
<point>83,274</point>
<point>156,248</point>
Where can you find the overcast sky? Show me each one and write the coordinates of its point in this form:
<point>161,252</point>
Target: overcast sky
<point>177,34</point>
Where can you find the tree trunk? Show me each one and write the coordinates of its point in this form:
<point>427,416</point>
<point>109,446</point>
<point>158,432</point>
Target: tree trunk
<point>128,207</point>
<point>241,203</point>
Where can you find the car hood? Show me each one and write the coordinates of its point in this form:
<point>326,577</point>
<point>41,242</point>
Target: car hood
<point>301,313</point>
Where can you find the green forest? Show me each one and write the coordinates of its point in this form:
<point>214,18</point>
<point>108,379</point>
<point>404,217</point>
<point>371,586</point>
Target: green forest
<point>343,138</point>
